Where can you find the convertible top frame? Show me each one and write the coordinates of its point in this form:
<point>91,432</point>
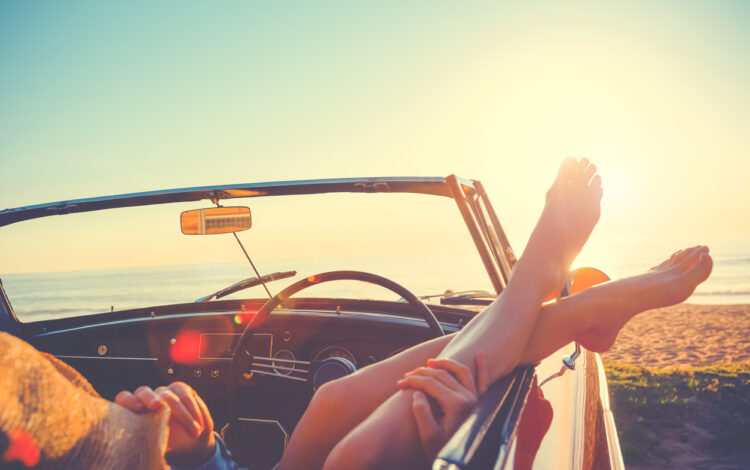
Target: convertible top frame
<point>432,186</point>
<point>476,210</point>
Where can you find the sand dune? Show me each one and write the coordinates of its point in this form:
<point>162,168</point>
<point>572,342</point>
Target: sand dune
<point>685,335</point>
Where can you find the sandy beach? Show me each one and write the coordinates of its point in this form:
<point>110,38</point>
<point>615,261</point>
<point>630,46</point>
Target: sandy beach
<point>665,429</point>
<point>685,335</point>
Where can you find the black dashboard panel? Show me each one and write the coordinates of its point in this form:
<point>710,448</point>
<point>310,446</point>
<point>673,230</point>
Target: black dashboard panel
<point>197,348</point>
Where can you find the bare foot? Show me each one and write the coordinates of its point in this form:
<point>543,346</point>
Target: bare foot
<point>669,283</point>
<point>570,214</point>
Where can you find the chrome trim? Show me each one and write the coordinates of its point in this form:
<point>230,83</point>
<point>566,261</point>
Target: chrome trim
<point>440,464</point>
<point>570,360</point>
<point>281,376</point>
<point>353,359</point>
<point>569,363</point>
<point>578,425</point>
<point>273,359</point>
<point>126,321</point>
<point>510,453</point>
<point>223,431</point>
<point>258,420</point>
<point>270,346</point>
<point>283,364</point>
<point>271,366</point>
<point>64,356</point>
<point>378,317</point>
<point>613,441</point>
<point>200,344</point>
<point>269,363</point>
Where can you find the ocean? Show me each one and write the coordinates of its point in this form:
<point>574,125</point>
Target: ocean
<point>729,282</point>
<point>38,296</point>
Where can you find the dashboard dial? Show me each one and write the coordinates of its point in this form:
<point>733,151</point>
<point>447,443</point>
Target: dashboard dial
<point>336,351</point>
<point>286,362</point>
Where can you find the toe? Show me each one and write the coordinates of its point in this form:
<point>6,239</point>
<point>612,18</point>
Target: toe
<point>596,187</point>
<point>675,258</point>
<point>589,173</point>
<point>580,170</point>
<point>686,259</point>
<point>667,263</point>
<point>566,169</point>
<point>700,271</point>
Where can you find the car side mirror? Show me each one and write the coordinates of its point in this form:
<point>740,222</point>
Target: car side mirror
<point>215,220</point>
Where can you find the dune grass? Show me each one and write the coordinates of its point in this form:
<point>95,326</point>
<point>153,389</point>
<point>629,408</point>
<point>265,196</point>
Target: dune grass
<point>664,412</point>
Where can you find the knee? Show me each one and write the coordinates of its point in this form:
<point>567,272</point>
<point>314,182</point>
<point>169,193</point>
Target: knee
<point>347,455</point>
<point>329,397</point>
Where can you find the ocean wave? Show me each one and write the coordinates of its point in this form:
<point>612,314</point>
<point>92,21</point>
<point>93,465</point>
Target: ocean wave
<point>47,311</point>
<point>723,292</point>
<point>728,260</point>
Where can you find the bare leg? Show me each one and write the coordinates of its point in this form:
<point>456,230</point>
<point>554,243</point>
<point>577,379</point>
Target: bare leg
<point>388,438</point>
<point>595,316</point>
<point>592,317</point>
<point>346,402</point>
<point>502,332</point>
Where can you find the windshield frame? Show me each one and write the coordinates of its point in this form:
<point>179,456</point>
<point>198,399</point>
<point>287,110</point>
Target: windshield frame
<point>471,199</point>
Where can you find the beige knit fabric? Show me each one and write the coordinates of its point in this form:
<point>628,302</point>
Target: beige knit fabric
<point>73,427</point>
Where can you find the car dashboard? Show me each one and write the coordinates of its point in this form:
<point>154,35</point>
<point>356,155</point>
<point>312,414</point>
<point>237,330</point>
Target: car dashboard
<point>162,345</point>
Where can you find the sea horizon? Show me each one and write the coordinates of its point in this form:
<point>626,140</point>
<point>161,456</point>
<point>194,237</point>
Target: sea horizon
<point>46,295</point>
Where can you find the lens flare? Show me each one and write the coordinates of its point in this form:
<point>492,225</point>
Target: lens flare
<point>186,348</point>
<point>241,318</point>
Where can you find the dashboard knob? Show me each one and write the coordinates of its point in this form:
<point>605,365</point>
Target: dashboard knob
<point>331,369</point>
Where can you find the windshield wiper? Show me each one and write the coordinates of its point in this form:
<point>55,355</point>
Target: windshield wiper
<point>469,297</point>
<point>247,283</point>
<point>464,297</point>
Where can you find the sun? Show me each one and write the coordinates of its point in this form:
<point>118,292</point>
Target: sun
<point>619,189</point>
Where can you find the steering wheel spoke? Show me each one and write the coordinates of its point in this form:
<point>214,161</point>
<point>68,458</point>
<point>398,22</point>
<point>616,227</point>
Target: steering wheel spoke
<point>308,372</point>
<point>291,369</point>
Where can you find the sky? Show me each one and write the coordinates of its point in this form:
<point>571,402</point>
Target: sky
<point>101,98</point>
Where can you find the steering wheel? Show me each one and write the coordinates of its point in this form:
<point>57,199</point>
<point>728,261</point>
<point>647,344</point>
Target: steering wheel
<point>240,354</point>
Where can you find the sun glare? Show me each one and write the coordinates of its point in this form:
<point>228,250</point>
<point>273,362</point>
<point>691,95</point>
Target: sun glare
<point>618,189</point>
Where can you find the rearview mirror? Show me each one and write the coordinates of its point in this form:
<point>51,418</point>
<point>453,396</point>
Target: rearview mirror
<point>215,220</point>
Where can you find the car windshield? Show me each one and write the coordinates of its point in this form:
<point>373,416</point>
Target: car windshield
<point>125,258</point>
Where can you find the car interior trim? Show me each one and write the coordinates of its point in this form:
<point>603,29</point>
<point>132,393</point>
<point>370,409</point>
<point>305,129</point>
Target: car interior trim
<point>270,421</point>
<point>613,442</point>
<point>122,358</point>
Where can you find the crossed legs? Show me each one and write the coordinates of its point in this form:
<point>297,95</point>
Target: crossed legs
<point>593,318</point>
<point>368,421</point>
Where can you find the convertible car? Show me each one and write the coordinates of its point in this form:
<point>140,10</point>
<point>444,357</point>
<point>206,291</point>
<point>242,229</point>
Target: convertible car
<point>153,287</point>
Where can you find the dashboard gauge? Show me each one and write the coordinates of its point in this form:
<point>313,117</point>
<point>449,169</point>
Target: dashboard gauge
<point>285,362</point>
<point>393,353</point>
<point>336,351</point>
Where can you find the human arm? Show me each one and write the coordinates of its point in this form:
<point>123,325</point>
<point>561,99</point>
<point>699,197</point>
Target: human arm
<point>192,442</point>
<point>454,391</point>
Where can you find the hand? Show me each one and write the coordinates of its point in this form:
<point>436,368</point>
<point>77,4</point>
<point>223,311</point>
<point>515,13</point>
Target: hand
<point>191,439</point>
<point>451,385</point>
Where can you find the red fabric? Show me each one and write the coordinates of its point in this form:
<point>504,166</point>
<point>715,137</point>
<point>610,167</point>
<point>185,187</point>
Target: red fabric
<point>535,422</point>
<point>21,447</point>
